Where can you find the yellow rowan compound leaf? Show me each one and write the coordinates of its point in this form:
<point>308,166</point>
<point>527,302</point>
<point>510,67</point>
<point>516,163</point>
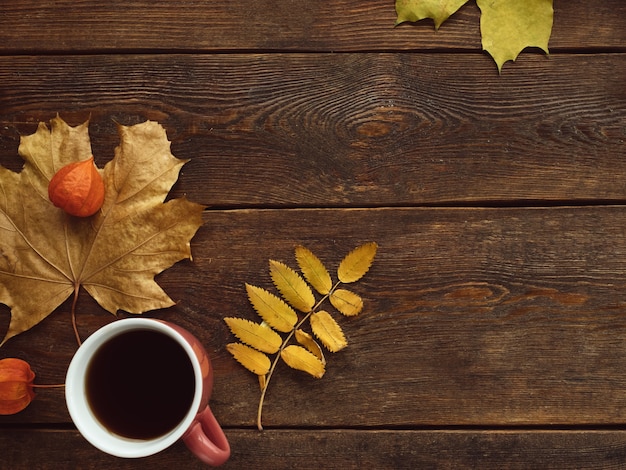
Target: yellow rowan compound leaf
<point>438,10</point>
<point>253,360</point>
<point>292,287</point>
<point>314,270</point>
<point>346,302</point>
<point>272,309</point>
<point>356,264</point>
<point>328,331</point>
<point>257,335</point>
<point>299,358</point>
<point>509,26</point>
<point>308,342</point>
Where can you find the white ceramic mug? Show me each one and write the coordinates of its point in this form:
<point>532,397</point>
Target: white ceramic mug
<point>198,428</point>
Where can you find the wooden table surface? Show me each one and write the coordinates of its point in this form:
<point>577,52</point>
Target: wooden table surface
<point>494,328</point>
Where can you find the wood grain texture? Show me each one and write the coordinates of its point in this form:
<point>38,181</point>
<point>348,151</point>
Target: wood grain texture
<point>332,25</point>
<point>493,317</point>
<point>349,449</point>
<point>322,130</point>
<point>493,334</point>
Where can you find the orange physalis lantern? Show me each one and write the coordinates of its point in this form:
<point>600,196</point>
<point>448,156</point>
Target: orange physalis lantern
<point>77,188</point>
<point>16,385</point>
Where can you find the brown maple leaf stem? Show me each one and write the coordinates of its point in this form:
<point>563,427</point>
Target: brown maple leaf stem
<point>73,313</point>
<point>284,344</point>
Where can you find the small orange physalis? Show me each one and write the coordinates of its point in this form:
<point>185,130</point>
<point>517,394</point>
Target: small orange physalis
<point>16,385</point>
<point>77,188</point>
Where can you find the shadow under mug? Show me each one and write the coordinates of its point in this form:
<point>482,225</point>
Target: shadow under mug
<point>198,428</point>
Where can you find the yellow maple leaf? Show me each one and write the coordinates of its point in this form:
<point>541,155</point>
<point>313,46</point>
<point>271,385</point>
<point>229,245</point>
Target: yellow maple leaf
<point>506,26</point>
<point>46,255</point>
<point>509,26</point>
<point>438,10</point>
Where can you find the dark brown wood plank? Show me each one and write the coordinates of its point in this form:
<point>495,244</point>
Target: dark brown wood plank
<point>491,337</point>
<point>346,129</point>
<point>349,449</point>
<point>473,317</point>
<point>333,25</point>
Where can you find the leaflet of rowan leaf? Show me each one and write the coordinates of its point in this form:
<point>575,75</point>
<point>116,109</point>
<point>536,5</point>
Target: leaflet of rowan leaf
<point>292,287</point>
<point>328,331</point>
<point>306,340</point>
<point>356,264</point>
<point>257,335</point>
<point>300,358</point>
<point>347,302</point>
<point>313,270</point>
<point>253,360</point>
<point>272,309</point>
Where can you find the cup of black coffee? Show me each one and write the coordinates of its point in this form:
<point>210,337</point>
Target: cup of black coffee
<point>138,385</point>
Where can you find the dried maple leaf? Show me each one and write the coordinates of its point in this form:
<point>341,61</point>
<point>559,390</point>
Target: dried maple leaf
<point>46,255</point>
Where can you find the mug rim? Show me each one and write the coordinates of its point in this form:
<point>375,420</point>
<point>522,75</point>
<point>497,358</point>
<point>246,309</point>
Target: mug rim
<point>84,419</point>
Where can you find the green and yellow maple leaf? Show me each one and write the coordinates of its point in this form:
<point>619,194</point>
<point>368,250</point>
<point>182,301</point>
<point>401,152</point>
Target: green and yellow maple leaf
<point>507,26</point>
<point>416,10</point>
<point>46,254</point>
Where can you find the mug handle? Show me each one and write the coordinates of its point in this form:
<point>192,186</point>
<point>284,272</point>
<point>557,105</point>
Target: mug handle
<point>206,439</point>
